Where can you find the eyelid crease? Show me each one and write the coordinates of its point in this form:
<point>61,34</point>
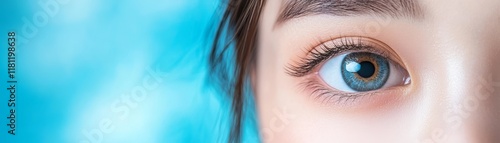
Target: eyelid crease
<point>326,50</point>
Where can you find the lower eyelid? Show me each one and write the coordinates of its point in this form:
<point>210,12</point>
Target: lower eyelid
<point>323,96</point>
<point>320,91</point>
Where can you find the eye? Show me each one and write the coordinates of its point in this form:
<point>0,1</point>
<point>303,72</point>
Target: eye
<point>362,71</point>
<point>346,68</point>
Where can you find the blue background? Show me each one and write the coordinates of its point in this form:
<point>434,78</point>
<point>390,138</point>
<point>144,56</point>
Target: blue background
<point>83,59</point>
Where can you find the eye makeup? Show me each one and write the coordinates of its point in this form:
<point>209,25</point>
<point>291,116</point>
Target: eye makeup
<point>365,73</point>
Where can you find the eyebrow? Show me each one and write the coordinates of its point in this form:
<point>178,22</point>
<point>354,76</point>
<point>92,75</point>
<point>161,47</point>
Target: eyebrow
<point>393,8</point>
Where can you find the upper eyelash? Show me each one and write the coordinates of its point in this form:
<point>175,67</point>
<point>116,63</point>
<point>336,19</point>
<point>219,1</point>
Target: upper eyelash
<point>324,52</point>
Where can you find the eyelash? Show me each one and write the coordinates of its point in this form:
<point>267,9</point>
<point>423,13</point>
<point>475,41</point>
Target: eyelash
<point>324,52</point>
<point>320,54</point>
<point>325,95</point>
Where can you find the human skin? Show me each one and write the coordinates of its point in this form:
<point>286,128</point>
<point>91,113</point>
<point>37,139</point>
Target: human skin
<point>451,56</point>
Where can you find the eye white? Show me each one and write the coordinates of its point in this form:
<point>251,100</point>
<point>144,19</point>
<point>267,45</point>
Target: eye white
<point>330,73</point>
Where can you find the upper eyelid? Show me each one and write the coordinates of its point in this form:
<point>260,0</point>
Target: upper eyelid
<point>311,59</point>
<point>315,57</point>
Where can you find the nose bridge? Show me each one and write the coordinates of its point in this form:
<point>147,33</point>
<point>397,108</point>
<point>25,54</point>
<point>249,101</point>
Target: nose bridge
<point>462,102</point>
<point>467,94</point>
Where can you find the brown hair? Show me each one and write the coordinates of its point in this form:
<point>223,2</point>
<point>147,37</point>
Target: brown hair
<point>233,54</point>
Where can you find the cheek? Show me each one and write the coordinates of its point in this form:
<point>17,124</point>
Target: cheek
<point>288,115</point>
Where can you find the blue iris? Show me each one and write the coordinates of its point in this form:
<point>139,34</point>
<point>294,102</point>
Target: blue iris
<point>363,71</point>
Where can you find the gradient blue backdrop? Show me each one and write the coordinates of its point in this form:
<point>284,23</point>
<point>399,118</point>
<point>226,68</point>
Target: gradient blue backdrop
<point>78,61</point>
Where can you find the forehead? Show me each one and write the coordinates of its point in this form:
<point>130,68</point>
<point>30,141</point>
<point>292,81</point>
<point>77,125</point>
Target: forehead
<point>283,10</point>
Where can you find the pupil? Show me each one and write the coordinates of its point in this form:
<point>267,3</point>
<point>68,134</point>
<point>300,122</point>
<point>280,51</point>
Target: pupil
<point>367,69</point>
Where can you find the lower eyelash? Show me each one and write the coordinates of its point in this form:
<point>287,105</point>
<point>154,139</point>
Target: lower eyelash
<point>325,95</point>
